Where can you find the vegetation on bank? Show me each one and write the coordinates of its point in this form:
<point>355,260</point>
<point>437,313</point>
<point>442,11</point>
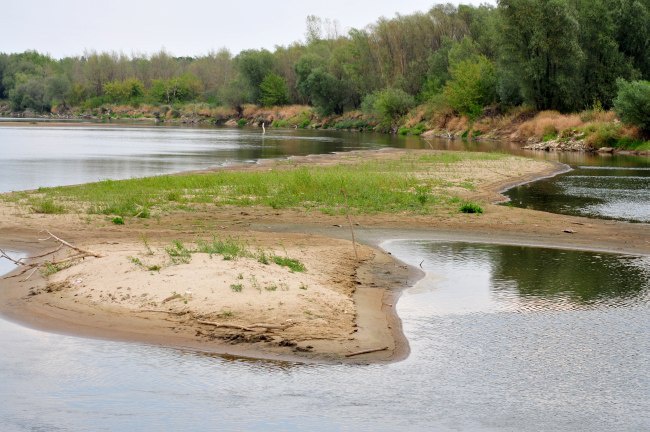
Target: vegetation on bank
<point>411,183</point>
<point>459,70</point>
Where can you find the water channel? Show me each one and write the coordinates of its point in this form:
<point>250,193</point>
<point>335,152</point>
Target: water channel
<point>503,338</point>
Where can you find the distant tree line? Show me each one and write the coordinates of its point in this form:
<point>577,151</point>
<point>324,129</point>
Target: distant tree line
<point>565,55</point>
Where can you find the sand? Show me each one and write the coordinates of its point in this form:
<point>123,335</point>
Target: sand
<point>339,307</point>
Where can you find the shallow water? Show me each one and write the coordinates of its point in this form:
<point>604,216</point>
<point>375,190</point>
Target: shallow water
<point>38,156</point>
<point>493,349</point>
<point>619,189</point>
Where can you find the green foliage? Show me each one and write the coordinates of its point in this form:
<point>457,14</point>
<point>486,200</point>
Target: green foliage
<point>632,103</point>
<point>253,67</point>
<point>179,89</point>
<point>236,288</point>
<point>293,264</point>
<point>470,207</point>
<point>242,122</point>
<point>273,90</point>
<point>178,253</point>
<point>124,91</point>
<point>118,220</point>
<point>229,248</point>
<point>48,206</point>
<point>390,104</point>
<point>540,49</point>
<point>472,86</point>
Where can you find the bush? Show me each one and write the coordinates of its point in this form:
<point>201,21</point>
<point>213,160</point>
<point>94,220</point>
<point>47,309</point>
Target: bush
<point>470,207</point>
<point>390,104</point>
<point>632,103</point>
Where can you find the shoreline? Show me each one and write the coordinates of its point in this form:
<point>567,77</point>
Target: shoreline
<point>377,286</point>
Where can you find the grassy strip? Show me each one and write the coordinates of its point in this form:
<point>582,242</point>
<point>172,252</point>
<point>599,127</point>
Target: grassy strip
<point>405,184</point>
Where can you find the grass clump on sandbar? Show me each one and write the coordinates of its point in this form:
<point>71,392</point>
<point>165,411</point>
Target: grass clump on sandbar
<point>408,183</point>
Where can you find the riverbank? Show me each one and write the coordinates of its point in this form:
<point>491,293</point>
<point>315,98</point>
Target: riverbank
<point>339,306</point>
<point>591,131</point>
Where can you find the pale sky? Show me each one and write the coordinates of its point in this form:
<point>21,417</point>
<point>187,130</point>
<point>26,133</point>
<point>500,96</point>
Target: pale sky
<point>181,27</point>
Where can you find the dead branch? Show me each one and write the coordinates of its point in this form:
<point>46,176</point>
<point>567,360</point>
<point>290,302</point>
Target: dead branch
<point>271,326</point>
<point>4,255</point>
<point>87,252</point>
<point>219,325</point>
<point>27,268</point>
<point>30,275</point>
<point>368,351</point>
<point>47,253</point>
<point>347,213</point>
<point>163,311</point>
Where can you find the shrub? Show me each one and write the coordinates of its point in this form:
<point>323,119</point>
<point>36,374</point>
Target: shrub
<point>241,122</point>
<point>273,91</point>
<point>390,104</point>
<point>48,207</point>
<point>118,220</point>
<point>470,207</point>
<point>632,103</point>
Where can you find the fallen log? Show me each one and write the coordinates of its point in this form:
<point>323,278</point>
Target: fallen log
<point>368,351</point>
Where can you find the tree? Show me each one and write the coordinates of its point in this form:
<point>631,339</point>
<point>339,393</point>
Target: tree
<point>472,86</point>
<point>179,89</point>
<point>390,104</point>
<point>273,90</point>
<point>253,66</point>
<point>632,103</point>
<point>540,46</point>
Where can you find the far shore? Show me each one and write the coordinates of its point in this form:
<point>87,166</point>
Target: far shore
<point>341,309</point>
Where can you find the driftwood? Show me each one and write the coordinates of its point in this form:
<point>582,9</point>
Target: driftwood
<point>347,213</point>
<point>4,255</point>
<point>251,327</point>
<point>368,351</point>
<point>84,251</point>
<point>163,311</point>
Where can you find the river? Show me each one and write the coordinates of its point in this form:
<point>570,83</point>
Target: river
<point>503,338</point>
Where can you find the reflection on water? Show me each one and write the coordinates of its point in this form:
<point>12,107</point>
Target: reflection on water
<point>614,192</point>
<point>479,278</point>
<point>32,157</point>
<point>481,360</point>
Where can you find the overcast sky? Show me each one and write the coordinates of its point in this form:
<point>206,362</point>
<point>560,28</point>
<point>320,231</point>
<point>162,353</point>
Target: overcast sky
<point>182,27</point>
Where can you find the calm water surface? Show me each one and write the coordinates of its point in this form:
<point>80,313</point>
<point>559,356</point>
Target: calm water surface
<point>35,156</point>
<point>494,348</point>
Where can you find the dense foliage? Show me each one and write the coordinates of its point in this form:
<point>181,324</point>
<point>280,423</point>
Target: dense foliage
<point>548,54</point>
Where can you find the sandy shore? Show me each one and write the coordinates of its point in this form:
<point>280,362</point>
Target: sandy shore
<point>339,306</point>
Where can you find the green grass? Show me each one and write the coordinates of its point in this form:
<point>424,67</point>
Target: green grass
<point>292,264</point>
<point>236,287</point>
<point>47,206</point>
<point>470,207</point>
<point>49,268</point>
<point>229,248</point>
<point>387,186</point>
<point>178,253</point>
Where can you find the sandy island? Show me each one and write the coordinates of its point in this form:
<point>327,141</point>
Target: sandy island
<point>341,309</point>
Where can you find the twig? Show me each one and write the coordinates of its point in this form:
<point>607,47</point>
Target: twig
<point>366,351</point>
<point>48,253</point>
<point>4,255</point>
<point>27,268</point>
<point>347,213</point>
<point>219,325</point>
<point>163,311</point>
<point>87,252</point>
<point>30,275</point>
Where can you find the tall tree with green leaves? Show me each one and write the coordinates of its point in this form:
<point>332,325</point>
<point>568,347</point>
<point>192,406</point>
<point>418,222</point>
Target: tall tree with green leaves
<point>540,46</point>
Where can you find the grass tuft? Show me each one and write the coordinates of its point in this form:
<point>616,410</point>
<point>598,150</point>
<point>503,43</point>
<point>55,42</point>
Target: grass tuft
<point>470,207</point>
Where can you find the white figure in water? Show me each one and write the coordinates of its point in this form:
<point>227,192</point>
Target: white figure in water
<point>263,129</point>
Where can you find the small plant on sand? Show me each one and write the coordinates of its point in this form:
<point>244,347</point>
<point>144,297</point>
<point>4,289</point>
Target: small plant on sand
<point>470,207</point>
<point>136,261</point>
<point>47,206</point>
<point>118,220</point>
<point>145,241</point>
<point>178,253</point>
<point>262,257</point>
<point>271,287</point>
<point>236,287</point>
<point>303,286</point>
<point>226,314</point>
<point>229,248</point>
<point>293,264</point>
<point>51,268</point>
<point>240,276</point>
<point>255,284</point>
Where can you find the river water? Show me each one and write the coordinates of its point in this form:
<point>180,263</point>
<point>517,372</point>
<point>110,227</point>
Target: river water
<point>503,338</point>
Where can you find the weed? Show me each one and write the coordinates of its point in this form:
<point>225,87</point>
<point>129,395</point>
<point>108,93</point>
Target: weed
<point>136,261</point>
<point>240,276</point>
<point>51,268</point>
<point>262,258</point>
<point>271,287</point>
<point>303,286</point>
<point>229,248</point>
<point>226,314</point>
<point>47,206</point>
<point>118,220</point>
<point>178,253</point>
<point>236,287</point>
<point>470,207</point>
<point>292,264</point>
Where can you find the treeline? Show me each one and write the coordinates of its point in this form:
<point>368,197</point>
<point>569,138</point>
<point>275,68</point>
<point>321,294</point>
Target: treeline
<point>565,55</point>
